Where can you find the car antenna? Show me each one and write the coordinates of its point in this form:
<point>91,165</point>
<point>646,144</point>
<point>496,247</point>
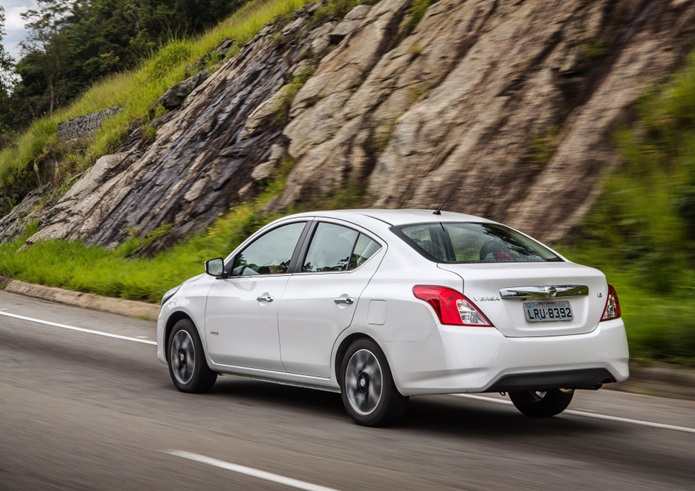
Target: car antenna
<point>438,211</point>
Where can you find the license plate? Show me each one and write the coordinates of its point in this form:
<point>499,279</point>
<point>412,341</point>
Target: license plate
<point>548,311</point>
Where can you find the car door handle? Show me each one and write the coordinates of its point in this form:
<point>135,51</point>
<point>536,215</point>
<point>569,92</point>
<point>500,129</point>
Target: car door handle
<point>265,298</point>
<point>344,300</point>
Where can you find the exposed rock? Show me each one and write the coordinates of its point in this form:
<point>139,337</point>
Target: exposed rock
<point>85,125</point>
<point>320,133</point>
<point>221,51</point>
<point>88,201</point>
<point>201,157</point>
<point>13,224</point>
<point>264,170</point>
<point>175,96</point>
<point>351,22</point>
<point>322,39</point>
<point>266,112</point>
<point>455,106</point>
<point>224,46</point>
<point>452,107</point>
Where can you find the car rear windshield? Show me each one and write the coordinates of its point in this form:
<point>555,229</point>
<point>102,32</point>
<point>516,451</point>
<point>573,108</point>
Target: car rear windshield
<point>469,242</point>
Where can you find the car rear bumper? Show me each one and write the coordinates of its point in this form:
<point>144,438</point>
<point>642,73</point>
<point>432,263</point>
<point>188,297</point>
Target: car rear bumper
<point>462,359</point>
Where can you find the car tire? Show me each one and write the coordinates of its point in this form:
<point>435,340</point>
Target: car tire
<point>369,394</point>
<point>542,404</point>
<point>186,359</point>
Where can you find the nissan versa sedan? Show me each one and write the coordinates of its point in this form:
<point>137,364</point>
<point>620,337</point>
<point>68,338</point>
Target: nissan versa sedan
<point>381,305</point>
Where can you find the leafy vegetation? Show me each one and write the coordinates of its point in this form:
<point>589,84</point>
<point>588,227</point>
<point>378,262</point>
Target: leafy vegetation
<point>7,113</point>
<point>73,43</point>
<point>416,11</point>
<point>80,267</point>
<point>135,92</point>
<point>638,232</point>
<point>542,147</point>
<point>641,230</point>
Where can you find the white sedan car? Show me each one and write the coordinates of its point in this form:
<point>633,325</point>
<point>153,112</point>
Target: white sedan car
<point>380,305</point>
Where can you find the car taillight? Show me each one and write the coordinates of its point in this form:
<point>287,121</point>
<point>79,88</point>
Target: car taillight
<point>451,307</point>
<point>612,308</point>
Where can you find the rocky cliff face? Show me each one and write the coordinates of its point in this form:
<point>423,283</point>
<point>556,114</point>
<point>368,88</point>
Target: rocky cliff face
<point>507,106</point>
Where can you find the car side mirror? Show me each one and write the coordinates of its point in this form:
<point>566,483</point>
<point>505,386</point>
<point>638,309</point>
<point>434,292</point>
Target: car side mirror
<point>215,267</point>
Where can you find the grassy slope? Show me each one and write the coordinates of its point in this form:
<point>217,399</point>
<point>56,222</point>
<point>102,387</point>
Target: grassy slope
<point>638,233</point>
<point>135,91</point>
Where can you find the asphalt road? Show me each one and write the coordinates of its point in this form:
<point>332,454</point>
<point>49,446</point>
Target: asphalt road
<point>79,410</point>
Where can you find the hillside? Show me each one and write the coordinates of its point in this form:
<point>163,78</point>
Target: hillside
<point>508,106</point>
<point>562,118</point>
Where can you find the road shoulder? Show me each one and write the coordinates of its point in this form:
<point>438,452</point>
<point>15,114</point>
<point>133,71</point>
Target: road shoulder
<point>131,308</point>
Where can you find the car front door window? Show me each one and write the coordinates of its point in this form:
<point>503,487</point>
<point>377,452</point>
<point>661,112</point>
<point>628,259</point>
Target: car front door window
<point>241,314</point>
<point>269,254</point>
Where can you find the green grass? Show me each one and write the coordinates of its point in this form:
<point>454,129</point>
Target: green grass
<point>115,273</point>
<point>135,91</point>
<point>80,267</point>
<point>659,327</point>
<point>641,230</point>
<point>76,266</point>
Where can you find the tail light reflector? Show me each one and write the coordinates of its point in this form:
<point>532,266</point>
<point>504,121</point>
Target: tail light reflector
<point>612,308</point>
<point>451,307</point>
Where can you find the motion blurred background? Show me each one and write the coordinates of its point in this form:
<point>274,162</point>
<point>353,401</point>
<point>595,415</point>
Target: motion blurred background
<point>138,139</point>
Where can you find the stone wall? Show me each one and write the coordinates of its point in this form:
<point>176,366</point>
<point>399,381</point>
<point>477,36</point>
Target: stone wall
<point>85,125</point>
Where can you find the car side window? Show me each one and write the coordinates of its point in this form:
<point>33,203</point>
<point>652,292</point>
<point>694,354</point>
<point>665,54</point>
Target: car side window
<point>338,248</point>
<point>364,249</point>
<point>269,254</point>
<point>330,248</point>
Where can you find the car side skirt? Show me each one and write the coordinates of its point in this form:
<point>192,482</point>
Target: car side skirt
<point>282,378</point>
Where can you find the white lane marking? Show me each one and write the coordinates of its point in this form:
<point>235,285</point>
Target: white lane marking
<point>591,415</point>
<point>468,396</point>
<point>249,471</point>
<point>80,329</point>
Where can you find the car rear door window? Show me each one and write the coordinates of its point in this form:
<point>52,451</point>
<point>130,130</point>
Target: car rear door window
<point>338,248</point>
<point>364,249</point>
<point>330,248</point>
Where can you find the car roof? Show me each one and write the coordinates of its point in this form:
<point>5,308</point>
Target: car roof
<point>397,217</point>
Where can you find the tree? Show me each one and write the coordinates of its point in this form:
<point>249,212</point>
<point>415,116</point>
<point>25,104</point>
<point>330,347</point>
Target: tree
<point>74,43</point>
<point>6,61</point>
<point>6,82</point>
<point>46,42</point>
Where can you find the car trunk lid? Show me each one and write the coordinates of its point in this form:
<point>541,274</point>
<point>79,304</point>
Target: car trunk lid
<point>535,299</point>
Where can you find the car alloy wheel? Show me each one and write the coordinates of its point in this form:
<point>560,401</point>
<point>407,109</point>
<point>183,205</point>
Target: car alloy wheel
<point>187,365</point>
<point>363,382</point>
<point>182,356</point>
<point>369,395</point>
